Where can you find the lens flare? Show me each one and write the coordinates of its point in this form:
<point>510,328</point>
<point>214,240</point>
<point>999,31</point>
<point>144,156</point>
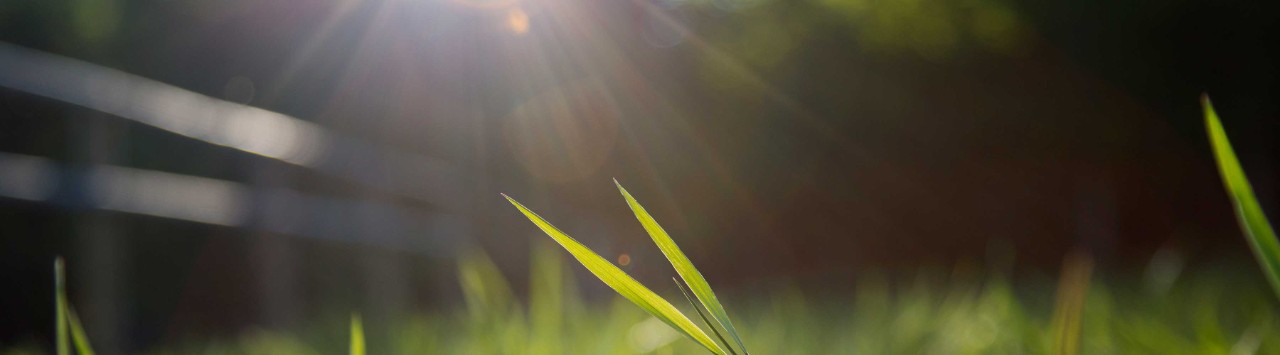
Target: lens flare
<point>517,21</point>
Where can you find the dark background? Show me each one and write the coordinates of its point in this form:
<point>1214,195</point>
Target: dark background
<point>778,141</point>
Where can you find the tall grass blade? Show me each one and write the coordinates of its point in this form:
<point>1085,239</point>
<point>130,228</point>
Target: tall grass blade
<point>488,295</point>
<point>357,335</point>
<point>65,319</point>
<point>1073,286</point>
<point>626,286</point>
<point>546,300</point>
<point>496,322</point>
<point>78,337</point>
<point>1257,231</point>
<point>61,342</point>
<point>706,321</point>
<point>684,267</point>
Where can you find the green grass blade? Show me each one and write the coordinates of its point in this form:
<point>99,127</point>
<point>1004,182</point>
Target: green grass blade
<point>706,321</point>
<point>1257,231</point>
<point>60,309</point>
<point>78,337</point>
<point>546,300</point>
<point>1068,310</point>
<point>626,286</point>
<point>488,294</point>
<point>494,314</point>
<point>697,284</point>
<point>357,335</point>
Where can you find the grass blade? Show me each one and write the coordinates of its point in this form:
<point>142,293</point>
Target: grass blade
<point>546,300</point>
<point>78,337</point>
<point>706,321</point>
<point>489,297</point>
<point>60,309</point>
<point>684,267</point>
<point>357,335</point>
<point>1262,239</point>
<point>1068,310</point>
<point>65,318</point>
<point>626,286</point>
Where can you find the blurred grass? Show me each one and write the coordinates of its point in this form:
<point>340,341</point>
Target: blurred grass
<point>1215,311</point>
<point>1073,287</point>
<point>357,336</point>
<point>65,318</point>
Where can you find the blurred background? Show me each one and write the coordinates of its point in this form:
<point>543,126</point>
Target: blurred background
<point>208,167</point>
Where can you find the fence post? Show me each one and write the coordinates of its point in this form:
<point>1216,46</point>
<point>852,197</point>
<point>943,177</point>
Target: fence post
<point>275,263</point>
<point>98,249</point>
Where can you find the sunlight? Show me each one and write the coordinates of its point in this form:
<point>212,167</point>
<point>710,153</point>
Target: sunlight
<point>853,176</point>
<point>517,21</point>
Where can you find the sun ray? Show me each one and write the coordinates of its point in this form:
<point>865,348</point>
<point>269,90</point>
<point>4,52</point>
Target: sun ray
<point>301,57</point>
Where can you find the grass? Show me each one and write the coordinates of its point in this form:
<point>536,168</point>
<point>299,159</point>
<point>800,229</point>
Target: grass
<point>934,314</point>
<point>684,267</point>
<point>1073,287</point>
<point>1209,311</point>
<point>624,284</point>
<point>637,293</point>
<point>357,336</point>
<point>1257,231</point>
<point>65,318</point>
<point>1214,312</point>
<point>1217,311</point>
